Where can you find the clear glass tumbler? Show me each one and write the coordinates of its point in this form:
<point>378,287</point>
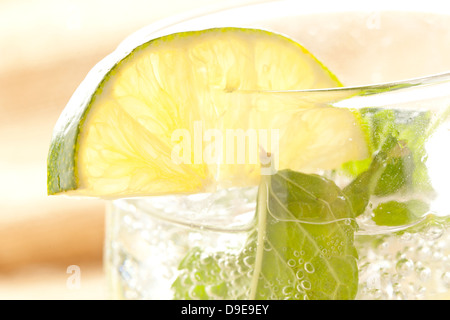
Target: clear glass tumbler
<point>372,229</point>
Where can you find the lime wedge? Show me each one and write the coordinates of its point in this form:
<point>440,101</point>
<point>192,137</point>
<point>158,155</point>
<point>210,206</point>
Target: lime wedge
<point>115,138</point>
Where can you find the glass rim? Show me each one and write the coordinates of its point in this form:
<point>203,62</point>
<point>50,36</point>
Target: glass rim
<point>376,87</point>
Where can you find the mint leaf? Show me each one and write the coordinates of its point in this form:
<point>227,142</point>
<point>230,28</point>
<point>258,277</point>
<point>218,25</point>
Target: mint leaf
<point>363,186</point>
<point>415,131</point>
<point>206,276</point>
<point>301,248</point>
<point>306,197</point>
<point>381,124</point>
<point>412,128</point>
<point>397,139</point>
<point>394,213</point>
<point>305,248</point>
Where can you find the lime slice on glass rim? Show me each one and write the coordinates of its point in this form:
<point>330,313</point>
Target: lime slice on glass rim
<point>115,137</point>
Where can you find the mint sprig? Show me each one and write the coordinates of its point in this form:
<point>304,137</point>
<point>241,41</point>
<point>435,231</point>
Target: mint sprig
<point>300,248</point>
<point>304,247</point>
<point>302,243</point>
<point>411,129</point>
<point>397,139</point>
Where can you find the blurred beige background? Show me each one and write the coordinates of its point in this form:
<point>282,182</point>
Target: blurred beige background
<point>46,49</point>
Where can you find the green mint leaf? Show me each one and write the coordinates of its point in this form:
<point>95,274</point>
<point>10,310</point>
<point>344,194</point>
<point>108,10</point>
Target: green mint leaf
<point>363,186</point>
<point>398,142</point>
<point>394,213</point>
<point>207,276</point>
<point>415,129</point>
<point>301,248</point>
<point>411,128</point>
<point>305,246</point>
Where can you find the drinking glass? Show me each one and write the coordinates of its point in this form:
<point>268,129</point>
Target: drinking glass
<point>394,64</point>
